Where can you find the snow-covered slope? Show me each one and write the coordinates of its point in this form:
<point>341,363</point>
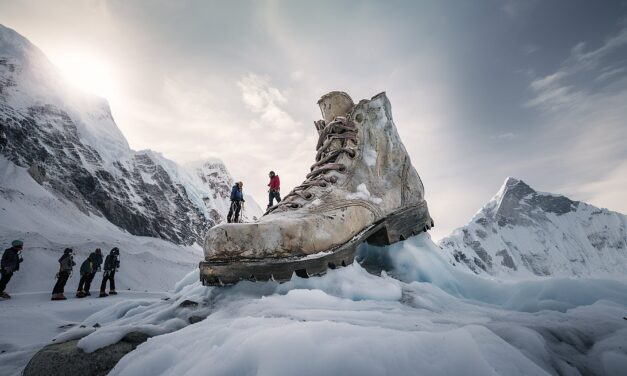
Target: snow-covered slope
<point>48,224</point>
<point>522,232</point>
<point>71,145</point>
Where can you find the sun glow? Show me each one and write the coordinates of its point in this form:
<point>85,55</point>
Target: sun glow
<point>88,72</point>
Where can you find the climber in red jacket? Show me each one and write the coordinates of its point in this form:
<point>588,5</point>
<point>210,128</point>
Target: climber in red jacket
<point>275,188</point>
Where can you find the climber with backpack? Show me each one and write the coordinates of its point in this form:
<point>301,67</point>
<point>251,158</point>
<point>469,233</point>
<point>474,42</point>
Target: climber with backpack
<point>111,265</point>
<point>11,259</point>
<point>237,198</point>
<point>66,264</point>
<point>89,267</point>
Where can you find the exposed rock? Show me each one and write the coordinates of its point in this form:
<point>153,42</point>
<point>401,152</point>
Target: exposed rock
<point>195,319</point>
<point>507,259</point>
<point>188,303</point>
<point>65,359</point>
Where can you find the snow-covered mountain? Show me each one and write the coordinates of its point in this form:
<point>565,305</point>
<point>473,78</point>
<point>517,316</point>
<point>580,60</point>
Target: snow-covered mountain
<point>218,180</point>
<point>70,144</point>
<point>522,232</point>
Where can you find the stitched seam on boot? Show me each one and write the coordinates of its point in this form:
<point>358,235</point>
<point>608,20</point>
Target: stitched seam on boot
<point>348,203</point>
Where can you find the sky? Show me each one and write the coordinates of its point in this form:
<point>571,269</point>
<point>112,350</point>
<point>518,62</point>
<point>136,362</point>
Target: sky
<point>480,90</point>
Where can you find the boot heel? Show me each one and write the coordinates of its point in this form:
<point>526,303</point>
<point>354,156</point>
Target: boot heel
<point>402,225</point>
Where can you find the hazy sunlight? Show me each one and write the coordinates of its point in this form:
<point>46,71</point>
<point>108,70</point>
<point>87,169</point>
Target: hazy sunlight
<point>87,72</point>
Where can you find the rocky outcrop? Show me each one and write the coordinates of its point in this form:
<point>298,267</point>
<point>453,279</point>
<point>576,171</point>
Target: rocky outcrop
<point>529,233</point>
<point>71,145</point>
<point>64,359</point>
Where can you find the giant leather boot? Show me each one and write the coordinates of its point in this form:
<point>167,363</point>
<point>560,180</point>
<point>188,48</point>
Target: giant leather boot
<point>362,187</point>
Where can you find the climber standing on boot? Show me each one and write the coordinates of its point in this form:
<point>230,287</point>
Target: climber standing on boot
<point>237,198</point>
<point>66,264</point>
<point>275,189</point>
<point>111,265</point>
<point>11,259</point>
<point>89,267</point>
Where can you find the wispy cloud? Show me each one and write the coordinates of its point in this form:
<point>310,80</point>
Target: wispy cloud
<point>582,105</point>
<point>569,85</point>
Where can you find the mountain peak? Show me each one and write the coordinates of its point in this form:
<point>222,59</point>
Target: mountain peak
<point>516,202</point>
<point>514,187</point>
<point>524,232</point>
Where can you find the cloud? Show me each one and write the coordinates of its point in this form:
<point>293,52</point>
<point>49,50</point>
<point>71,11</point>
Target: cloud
<point>583,134</point>
<point>568,87</point>
<point>263,99</point>
<point>609,72</point>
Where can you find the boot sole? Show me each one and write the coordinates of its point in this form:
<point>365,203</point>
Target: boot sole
<point>397,226</point>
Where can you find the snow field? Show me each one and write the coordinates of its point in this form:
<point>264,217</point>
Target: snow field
<point>47,225</point>
<point>433,320</point>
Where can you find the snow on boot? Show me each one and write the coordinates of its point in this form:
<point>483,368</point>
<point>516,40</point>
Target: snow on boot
<point>103,294</point>
<point>80,294</point>
<point>4,295</point>
<point>362,187</point>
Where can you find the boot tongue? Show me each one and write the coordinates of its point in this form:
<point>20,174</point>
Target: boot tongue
<point>334,104</point>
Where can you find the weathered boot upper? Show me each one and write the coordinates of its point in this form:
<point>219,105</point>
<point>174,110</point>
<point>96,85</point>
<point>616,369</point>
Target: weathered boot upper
<point>362,174</point>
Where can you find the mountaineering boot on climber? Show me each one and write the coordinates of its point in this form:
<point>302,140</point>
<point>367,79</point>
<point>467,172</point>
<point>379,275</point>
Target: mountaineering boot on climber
<point>362,187</point>
<point>274,192</point>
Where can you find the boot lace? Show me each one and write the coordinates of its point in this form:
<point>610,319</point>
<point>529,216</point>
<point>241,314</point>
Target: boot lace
<point>327,154</point>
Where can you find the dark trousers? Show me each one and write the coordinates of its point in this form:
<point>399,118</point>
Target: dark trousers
<point>61,281</point>
<point>108,276</point>
<point>233,216</point>
<point>272,195</point>
<point>6,277</point>
<point>85,283</point>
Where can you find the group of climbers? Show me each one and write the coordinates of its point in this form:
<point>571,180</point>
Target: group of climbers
<point>237,197</point>
<point>12,258</point>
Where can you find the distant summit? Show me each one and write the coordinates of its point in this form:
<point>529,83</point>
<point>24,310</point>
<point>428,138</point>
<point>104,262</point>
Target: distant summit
<point>524,232</point>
